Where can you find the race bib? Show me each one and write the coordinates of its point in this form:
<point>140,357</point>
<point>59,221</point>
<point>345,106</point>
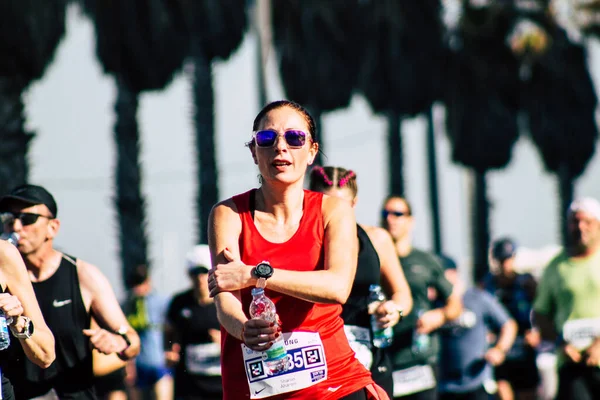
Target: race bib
<point>581,332</point>
<point>360,341</point>
<point>306,366</point>
<point>413,380</point>
<point>203,359</point>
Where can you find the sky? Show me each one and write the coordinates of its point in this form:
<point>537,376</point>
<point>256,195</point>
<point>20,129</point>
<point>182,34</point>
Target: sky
<point>71,111</point>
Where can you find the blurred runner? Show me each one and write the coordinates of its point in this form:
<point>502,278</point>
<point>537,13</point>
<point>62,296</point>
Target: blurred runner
<point>415,348</point>
<point>193,336</point>
<point>146,312</point>
<point>517,376</point>
<point>567,305</point>
<point>466,360</point>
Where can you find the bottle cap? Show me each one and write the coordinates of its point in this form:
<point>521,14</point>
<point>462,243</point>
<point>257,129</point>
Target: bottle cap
<point>374,287</point>
<point>257,291</point>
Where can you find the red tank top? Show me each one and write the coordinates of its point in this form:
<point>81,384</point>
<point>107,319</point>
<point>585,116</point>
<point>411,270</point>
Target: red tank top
<point>302,252</point>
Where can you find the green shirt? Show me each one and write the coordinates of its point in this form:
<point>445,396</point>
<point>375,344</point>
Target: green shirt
<point>422,271</point>
<point>569,289</point>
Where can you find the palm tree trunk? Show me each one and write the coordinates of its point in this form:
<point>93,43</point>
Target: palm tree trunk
<point>395,154</point>
<point>433,184</point>
<point>318,117</point>
<point>14,140</point>
<point>262,28</point>
<point>129,202</point>
<point>481,229</point>
<point>207,191</point>
<point>566,190</point>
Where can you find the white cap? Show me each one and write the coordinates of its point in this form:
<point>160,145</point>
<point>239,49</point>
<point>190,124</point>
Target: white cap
<point>199,256</point>
<point>587,205</point>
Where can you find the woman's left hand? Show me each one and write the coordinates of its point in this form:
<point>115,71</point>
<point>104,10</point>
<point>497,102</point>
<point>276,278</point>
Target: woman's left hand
<point>387,314</point>
<point>11,306</point>
<point>229,277</point>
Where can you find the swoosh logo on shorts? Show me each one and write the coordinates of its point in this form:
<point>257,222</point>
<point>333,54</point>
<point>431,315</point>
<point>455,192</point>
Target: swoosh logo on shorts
<point>334,389</point>
<point>258,391</point>
<point>60,303</point>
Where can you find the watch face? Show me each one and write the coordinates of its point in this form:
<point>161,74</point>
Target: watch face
<point>264,270</point>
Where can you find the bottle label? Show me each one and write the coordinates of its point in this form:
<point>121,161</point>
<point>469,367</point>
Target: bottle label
<point>275,352</point>
<point>306,366</point>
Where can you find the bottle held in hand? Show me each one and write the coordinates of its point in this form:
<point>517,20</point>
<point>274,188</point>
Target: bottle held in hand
<point>12,238</point>
<point>382,337</point>
<point>421,341</point>
<point>261,307</point>
<point>4,333</point>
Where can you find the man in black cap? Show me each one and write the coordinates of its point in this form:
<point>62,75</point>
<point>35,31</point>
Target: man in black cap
<point>518,376</point>
<point>69,292</point>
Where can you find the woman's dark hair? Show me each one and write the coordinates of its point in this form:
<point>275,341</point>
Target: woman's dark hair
<point>324,178</point>
<point>312,128</point>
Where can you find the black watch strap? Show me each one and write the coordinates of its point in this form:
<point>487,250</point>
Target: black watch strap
<point>123,333</point>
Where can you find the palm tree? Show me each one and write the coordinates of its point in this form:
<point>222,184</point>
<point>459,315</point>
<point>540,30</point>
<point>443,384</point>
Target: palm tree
<point>482,106</point>
<point>401,75</point>
<point>316,48</point>
<point>215,29</point>
<point>31,32</point>
<point>560,103</point>
<point>141,45</point>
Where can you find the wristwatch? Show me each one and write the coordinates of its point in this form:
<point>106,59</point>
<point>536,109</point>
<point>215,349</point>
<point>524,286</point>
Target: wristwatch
<point>262,271</point>
<point>27,329</point>
<point>123,333</point>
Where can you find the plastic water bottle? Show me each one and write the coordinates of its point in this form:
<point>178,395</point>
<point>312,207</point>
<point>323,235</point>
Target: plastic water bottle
<point>4,334</point>
<point>421,341</point>
<point>12,238</point>
<point>261,307</point>
<point>382,337</point>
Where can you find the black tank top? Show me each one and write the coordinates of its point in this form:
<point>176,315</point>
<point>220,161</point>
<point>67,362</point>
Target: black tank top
<point>355,310</point>
<point>64,311</point>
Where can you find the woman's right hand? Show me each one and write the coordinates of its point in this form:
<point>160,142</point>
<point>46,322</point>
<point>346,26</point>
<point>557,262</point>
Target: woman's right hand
<point>229,277</point>
<point>259,334</point>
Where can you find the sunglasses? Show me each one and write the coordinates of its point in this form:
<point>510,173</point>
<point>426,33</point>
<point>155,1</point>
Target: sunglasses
<point>8,218</point>
<point>267,138</point>
<point>387,213</point>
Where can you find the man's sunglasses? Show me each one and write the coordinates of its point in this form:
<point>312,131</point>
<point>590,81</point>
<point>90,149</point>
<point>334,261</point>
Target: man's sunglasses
<point>26,218</point>
<point>268,137</point>
<point>387,213</point>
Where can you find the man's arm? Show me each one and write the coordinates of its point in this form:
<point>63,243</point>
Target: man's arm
<point>506,338</point>
<point>497,318</point>
<point>453,306</point>
<point>105,364</point>
<point>39,348</point>
<point>105,308</point>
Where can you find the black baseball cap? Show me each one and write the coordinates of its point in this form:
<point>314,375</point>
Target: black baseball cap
<point>30,195</point>
<point>447,262</point>
<point>504,249</point>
